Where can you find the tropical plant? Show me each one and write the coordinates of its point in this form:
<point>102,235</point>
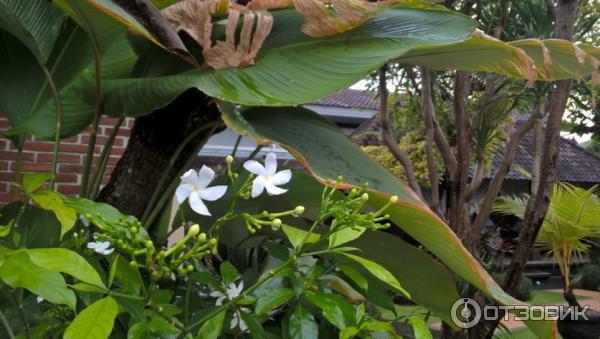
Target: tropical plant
<point>570,225</point>
<point>64,64</point>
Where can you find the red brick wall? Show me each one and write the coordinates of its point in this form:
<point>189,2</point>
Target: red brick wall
<point>37,157</point>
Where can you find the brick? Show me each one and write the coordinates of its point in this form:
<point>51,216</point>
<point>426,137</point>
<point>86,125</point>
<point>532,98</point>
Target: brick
<point>6,197</point>
<point>71,140</point>
<point>80,149</point>
<point>12,155</point>
<point>7,176</point>
<point>40,146</point>
<point>4,165</point>
<point>69,189</point>
<point>3,187</point>
<point>70,158</point>
<point>4,124</point>
<point>69,168</point>
<point>35,167</point>
<point>67,178</point>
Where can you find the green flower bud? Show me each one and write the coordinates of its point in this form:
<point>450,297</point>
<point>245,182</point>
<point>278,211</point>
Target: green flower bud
<point>202,237</point>
<point>394,199</point>
<point>364,197</point>
<point>133,263</point>
<point>190,268</point>
<point>299,210</point>
<point>133,230</point>
<point>276,224</point>
<point>149,244</point>
<point>194,230</point>
<point>229,159</point>
<point>75,235</point>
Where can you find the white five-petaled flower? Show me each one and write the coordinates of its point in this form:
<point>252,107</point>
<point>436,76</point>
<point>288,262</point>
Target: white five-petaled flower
<point>231,292</point>
<point>267,177</point>
<point>195,187</point>
<point>101,247</point>
<point>236,320</point>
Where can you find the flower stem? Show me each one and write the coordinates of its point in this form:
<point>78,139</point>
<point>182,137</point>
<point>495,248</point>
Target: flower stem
<point>58,106</point>
<point>89,158</point>
<point>101,167</point>
<point>4,322</point>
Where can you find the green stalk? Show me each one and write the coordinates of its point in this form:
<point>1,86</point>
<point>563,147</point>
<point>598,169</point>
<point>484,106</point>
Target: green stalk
<point>167,194</point>
<point>4,322</point>
<point>58,105</point>
<point>172,160</point>
<point>18,163</point>
<point>237,144</point>
<point>103,161</point>
<point>89,158</point>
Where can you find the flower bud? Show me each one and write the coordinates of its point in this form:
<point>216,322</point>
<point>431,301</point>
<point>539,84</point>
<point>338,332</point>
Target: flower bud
<point>276,224</point>
<point>149,244</point>
<point>229,159</point>
<point>299,210</point>
<point>133,263</point>
<point>75,235</point>
<point>190,268</point>
<point>133,230</point>
<point>202,237</point>
<point>194,230</point>
<point>364,197</point>
<point>394,199</point>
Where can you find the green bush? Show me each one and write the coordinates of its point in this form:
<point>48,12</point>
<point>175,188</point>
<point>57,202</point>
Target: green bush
<point>588,278</point>
<point>524,288</point>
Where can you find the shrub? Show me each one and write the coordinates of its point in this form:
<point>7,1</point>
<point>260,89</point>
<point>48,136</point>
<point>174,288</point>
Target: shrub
<point>524,288</point>
<point>587,278</point>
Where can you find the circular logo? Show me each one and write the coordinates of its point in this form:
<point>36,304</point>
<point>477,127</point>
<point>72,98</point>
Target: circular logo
<point>465,313</point>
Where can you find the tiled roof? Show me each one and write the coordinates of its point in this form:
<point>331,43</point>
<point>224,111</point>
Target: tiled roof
<point>351,98</point>
<point>575,163</point>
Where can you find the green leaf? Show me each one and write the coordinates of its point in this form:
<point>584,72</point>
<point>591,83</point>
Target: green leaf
<point>83,287</point>
<point>113,270</point>
<point>256,329</point>
<point>5,229</point>
<point>349,332</point>
<point>138,331</point>
<point>377,326</point>
<point>296,235</point>
<point>95,321</point>
<point>228,272</point>
<point>273,299</point>
<point>314,141</point>
<point>336,309</point>
<point>355,275</point>
<point>288,56</point>
<point>17,270</point>
<point>212,327</point>
<point>205,278</point>
<point>380,272</point>
<point>52,201</point>
<point>36,23</point>
<point>302,324</point>
<point>65,261</point>
<point>33,181</point>
<point>420,328</point>
<point>343,236</point>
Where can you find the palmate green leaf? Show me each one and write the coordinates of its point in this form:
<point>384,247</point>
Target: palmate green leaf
<point>17,270</point>
<point>95,321</point>
<point>273,299</point>
<point>212,327</point>
<point>35,23</point>
<point>288,56</point>
<point>314,141</point>
<point>53,201</point>
<point>302,324</point>
<point>380,272</point>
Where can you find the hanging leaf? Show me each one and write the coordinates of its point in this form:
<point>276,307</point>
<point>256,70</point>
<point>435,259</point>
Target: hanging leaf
<point>52,201</point>
<point>95,321</point>
<point>273,299</point>
<point>212,327</point>
<point>302,324</point>
<point>296,235</point>
<point>33,181</point>
<point>314,141</point>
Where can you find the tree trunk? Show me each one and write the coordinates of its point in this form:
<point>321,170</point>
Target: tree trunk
<point>154,139</point>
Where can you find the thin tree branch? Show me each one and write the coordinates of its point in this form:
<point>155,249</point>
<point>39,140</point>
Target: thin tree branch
<point>389,140</point>
<point>428,109</point>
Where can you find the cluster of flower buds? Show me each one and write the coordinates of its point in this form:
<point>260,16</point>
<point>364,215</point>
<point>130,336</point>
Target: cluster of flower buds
<point>347,212</point>
<point>255,222</point>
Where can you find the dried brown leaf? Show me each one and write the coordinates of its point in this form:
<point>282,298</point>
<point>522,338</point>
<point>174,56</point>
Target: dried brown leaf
<point>226,53</point>
<point>270,4</point>
<point>323,19</point>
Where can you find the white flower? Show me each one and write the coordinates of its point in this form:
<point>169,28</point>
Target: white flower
<point>84,220</point>
<point>39,299</point>
<point>101,247</point>
<point>267,177</point>
<point>195,187</point>
<point>231,292</point>
<point>236,320</point>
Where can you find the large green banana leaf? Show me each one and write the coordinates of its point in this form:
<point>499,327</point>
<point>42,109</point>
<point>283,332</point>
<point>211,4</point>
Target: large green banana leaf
<point>327,153</point>
<point>292,68</point>
<point>553,59</point>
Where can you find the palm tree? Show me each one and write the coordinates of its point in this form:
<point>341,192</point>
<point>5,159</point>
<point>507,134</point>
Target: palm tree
<point>570,224</point>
